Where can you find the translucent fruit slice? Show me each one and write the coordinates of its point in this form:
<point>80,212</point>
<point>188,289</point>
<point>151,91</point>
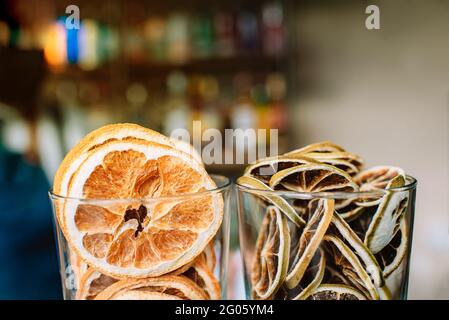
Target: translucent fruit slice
<point>367,259</point>
<point>114,132</point>
<point>312,277</point>
<point>263,169</point>
<point>321,147</point>
<point>386,221</point>
<point>200,273</point>
<point>92,283</point>
<point>314,178</point>
<point>276,200</point>
<point>321,211</point>
<point>347,260</point>
<point>391,257</point>
<point>377,178</point>
<point>271,255</point>
<point>336,292</point>
<point>135,238</point>
<point>159,288</point>
<point>346,161</point>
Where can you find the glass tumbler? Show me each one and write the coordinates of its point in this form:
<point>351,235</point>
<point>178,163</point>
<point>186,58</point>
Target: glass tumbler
<point>107,246</point>
<point>326,245</point>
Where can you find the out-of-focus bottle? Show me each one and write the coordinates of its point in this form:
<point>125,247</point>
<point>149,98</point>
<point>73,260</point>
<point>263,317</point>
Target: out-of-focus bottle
<point>155,35</point>
<point>202,38</point>
<point>224,34</point>
<point>176,109</point>
<point>178,49</point>
<point>248,31</point>
<point>276,88</point>
<point>273,28</point>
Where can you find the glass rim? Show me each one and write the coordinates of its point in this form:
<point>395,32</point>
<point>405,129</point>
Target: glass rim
<point>411,184</point>
<point>223,184</point>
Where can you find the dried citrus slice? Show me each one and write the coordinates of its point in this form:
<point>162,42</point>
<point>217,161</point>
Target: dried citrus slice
<point>276,200</point>
<point>121,131</point>
<point>346,161</point>
<point>350,264</point>
<point>315,178</point>
<point>322,147</point>
<point>385,222</point>
<point>336,292</point>
<point>366,258</point>
<point>164,287</point>
<point>321,212</point>
<point>78,267</point>
<point>312,277</point>
<point>135,238</point>
<point>209,256</point>
<point>263,169</point>
<point>351,211</point>
<point>391,257</point>
<point>200,273</point>
<point>377,178</point>
<point>92,283</point>
<point>271,255</point>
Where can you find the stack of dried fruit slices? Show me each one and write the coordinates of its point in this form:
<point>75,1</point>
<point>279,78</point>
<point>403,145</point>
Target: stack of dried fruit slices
<point>133,207</point>
<point>331,230</point>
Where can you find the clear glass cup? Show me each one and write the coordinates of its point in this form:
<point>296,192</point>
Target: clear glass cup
<point>83,281</point>
<point>363,252</point>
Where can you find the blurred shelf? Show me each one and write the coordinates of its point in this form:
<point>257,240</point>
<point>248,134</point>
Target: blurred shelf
<point>256,63</point>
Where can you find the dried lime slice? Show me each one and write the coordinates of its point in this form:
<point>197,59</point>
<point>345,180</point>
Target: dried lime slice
<point>366,258</point>
<point>336,292</point>
<point>346,259</point>
<point>391,257</point>
<point>315,178</point>
<point>351,211</point>
<point>332,274</point>
<point>322,147</point>
<point>385,222</point>
<point>321,211</point>
<point>377,178</point>
<point>346,161</point>
<point>263,169</point>
<point>271,255</point>
<point>278,201</point>
<point>312,277</point>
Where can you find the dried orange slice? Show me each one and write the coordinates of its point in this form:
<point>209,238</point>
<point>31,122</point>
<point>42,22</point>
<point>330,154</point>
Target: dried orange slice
<point>209,256</point>
<point>92,283</point>
<point>321,212</point>
<point>121,131</point>
<point>78,267</point>
<point>137,238</point>
<point>159,288</point>
<point>200,273</point>
<point>271,256</point>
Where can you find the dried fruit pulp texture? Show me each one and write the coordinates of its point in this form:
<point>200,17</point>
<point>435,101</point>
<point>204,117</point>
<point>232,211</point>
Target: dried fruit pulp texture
<point>330,258</point>
<point>161,177</point>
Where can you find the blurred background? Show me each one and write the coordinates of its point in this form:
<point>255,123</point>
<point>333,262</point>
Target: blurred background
<point>308,68</point>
